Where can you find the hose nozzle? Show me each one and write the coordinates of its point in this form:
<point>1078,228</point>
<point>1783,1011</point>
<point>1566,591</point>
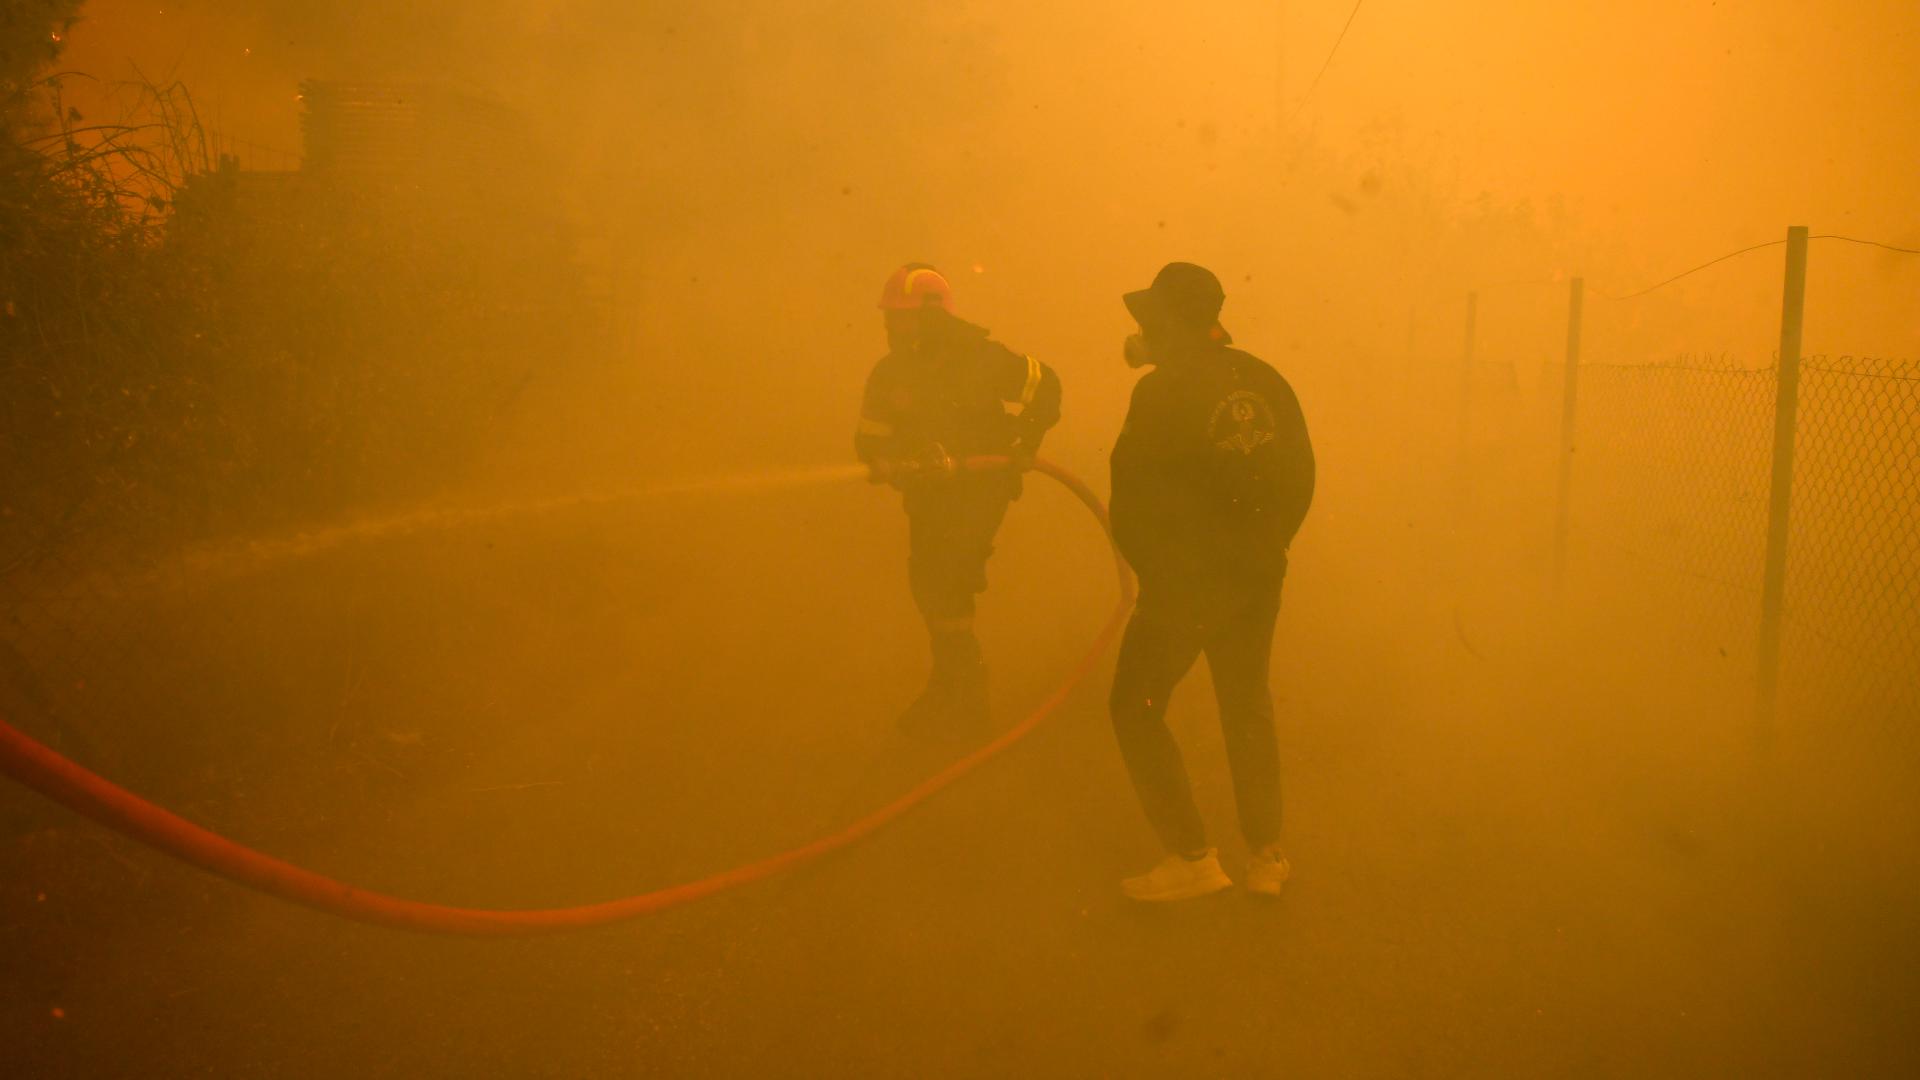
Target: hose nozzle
<point>932,463</point>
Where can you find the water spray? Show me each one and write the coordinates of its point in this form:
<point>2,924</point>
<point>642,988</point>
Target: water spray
<point>39,767</point>
<point>239,558</point>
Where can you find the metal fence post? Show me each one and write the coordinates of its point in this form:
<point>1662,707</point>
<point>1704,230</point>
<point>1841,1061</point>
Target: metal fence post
<point>1569,399</point>
<point>1786,408</point>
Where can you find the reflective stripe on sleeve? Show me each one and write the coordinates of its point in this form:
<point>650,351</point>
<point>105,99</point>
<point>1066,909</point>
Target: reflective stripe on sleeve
<point>870,426</point>
<point>1033,382</point>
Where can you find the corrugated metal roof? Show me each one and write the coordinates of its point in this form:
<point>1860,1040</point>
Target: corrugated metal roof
<point>404,130</point>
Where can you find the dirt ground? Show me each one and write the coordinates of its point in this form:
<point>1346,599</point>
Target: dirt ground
<point>1512,856</point>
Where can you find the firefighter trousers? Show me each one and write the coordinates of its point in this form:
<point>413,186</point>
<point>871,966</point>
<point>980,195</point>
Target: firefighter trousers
<point>950,530</point>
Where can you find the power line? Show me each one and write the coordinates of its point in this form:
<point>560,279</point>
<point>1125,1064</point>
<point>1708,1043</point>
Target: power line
<point>1757,247</point>
<point>1328,62</point>
<point>1868,243</point>
<point>1695,270</point>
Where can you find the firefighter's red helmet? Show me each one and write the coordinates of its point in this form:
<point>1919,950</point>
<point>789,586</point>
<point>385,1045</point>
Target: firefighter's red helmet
<point>914,286</point>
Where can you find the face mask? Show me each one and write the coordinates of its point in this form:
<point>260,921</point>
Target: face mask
<point>903,332</point>
<point>1136,351</point>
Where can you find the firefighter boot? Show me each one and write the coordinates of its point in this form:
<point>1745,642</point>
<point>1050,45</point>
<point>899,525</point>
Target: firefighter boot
<point>968,713</point>
<point>956,689</point>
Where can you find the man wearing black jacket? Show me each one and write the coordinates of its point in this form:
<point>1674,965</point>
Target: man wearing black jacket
<point>947,391</point>
<point>1212,476</point>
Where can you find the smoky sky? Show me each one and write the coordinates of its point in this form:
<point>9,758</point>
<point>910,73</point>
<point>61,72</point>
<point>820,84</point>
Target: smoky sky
<point>1065,146</point>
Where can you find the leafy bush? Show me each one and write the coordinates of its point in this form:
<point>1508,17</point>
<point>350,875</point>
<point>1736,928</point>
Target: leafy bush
<point>188,349</point>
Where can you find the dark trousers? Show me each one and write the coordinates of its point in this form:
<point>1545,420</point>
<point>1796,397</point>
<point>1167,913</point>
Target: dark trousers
<point>950,530</point>
<point>1169,630</point>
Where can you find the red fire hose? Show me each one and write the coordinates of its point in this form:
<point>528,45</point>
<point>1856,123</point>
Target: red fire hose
<point>38,767</point>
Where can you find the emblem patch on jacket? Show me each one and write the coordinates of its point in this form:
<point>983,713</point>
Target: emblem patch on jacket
<point>1242,421</point>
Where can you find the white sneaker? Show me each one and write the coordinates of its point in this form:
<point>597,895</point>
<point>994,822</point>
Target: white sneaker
<point>1179,878</point>
<point>1266,872</point>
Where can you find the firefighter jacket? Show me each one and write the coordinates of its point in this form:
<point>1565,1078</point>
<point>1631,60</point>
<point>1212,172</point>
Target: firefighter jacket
<point>958,389</point>
<point>1213,471</point>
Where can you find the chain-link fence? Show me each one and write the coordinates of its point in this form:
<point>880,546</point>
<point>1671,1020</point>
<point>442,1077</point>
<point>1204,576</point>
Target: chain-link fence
<point>1669,504</point>
<point>1851,632</point>
<point>1668,499</point>
<point>1678,472</point>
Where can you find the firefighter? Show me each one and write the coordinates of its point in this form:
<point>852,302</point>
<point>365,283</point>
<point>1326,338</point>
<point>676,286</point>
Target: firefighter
<point>1212,476</point>
<point>945,391</point>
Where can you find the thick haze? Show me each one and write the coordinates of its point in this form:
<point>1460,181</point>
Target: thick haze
<point>1792,111</point>
<point>1067,149</point>
<point>616,622</point>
